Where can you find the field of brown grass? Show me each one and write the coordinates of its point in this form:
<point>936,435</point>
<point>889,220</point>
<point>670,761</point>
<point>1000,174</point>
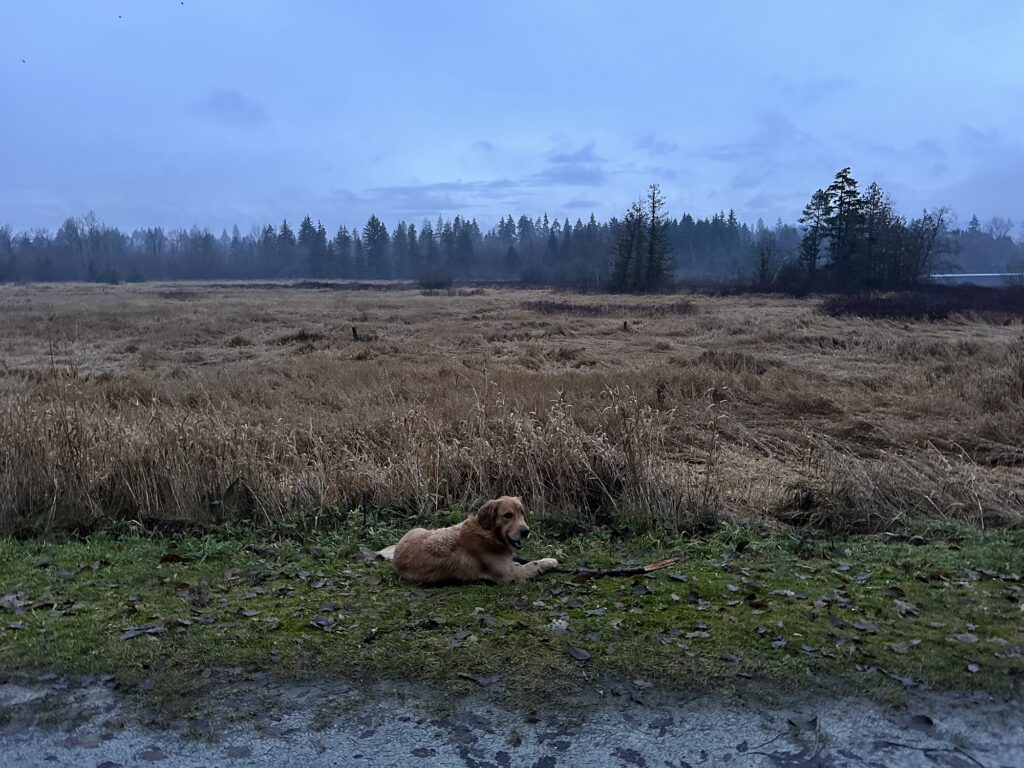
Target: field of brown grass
<point>286,405</point>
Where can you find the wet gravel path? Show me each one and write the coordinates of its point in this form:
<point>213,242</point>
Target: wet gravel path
<point>632,723</point>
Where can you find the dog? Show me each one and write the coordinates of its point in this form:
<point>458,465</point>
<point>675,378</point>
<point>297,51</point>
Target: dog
<point>478,548</point>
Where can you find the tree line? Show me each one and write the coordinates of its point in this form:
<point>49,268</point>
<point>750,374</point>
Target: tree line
<point>844,239</point>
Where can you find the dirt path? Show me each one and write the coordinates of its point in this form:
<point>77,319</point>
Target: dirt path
<point>262,723</point>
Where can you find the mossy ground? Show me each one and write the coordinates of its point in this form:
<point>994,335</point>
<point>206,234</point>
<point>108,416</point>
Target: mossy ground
<point>871,614</point>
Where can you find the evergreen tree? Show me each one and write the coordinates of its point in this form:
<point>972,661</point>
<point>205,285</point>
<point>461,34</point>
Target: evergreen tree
<point>814,220</point>
<point>657,264</point>
<point>341,245</point>
<point>628,251</point>
<point>879,256</point>
<point>376,245</point>
<point>358,256</point>
<point>307,249</point>
<point>510,264</point>
<point>843,226</point>
<point>415,258</point>
<point>429,254</point>
<point>285,236</point>
<point>400,250</point>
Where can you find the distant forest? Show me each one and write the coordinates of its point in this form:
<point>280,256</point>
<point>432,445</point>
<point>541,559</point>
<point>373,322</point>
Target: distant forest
<point>842,234</point>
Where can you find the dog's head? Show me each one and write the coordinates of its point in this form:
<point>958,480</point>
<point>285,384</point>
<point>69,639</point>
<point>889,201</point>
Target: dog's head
<point>505,517</point>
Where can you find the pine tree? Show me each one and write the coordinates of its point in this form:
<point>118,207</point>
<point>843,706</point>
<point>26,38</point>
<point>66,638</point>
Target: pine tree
<point>429,253</point>
<point>880,254</point>
<point>510,264</point>
<point>657,266</point>
<point>400,250</point>
<point>375,243</point>
<point>627,253</point>
<point>358,255</point>
<point>843,226</point>
<point>307,247</point>
<point>415,257</point>
<point>814,221</point>
<point>342,247</point>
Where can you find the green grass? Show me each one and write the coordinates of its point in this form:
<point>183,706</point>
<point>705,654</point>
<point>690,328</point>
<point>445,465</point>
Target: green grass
<point>756,606</point>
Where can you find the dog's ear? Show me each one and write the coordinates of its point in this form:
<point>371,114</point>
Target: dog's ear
<point>488,514</point>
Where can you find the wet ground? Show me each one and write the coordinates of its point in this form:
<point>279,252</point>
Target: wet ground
<point>57,722</point>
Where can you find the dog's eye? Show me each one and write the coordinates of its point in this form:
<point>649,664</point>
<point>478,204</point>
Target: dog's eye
<point>508,515</point>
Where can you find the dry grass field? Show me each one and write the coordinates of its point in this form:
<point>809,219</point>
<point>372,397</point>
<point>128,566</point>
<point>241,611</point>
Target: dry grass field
<point>205,402</point>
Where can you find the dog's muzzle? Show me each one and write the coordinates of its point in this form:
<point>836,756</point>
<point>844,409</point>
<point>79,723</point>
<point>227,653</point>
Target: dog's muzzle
<point>518,544</point>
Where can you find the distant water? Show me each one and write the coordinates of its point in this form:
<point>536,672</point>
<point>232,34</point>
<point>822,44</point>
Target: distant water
<point>976,278</point>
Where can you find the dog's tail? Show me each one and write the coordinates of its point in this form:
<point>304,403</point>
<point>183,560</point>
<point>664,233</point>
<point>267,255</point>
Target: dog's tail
<point>388,553</point>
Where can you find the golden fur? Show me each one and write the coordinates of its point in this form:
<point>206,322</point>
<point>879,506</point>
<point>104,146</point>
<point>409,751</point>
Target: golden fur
<point>478,548</point>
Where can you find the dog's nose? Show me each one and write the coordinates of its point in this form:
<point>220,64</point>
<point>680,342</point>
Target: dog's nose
<point>524,533</point>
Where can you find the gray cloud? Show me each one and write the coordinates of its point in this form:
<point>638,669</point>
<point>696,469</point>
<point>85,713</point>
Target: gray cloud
<point>232,108</point>
<point>656,146</point>
<point>773,134</point>
<point>580,168</point>
<point>584,154</point>
<point>813,90</point>
<point>578,203</point>
<point>432,199</point>
<point>571,175</point>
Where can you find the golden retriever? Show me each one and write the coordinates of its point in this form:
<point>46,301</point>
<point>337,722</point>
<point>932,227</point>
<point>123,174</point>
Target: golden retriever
<point>480,547</point>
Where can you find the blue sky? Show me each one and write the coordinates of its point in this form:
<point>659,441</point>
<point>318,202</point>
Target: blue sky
<point>214,113</point>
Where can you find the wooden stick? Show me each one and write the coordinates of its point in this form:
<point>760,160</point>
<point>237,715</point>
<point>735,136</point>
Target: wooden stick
<point>585,574</point>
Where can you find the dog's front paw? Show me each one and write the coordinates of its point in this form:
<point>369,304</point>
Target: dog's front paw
<point>548,563</point>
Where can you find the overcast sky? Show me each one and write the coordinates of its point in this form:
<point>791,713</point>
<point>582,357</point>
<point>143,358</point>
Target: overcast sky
<point>214,113</point>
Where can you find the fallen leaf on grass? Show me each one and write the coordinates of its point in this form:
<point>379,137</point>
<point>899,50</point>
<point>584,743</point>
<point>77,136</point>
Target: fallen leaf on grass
<point>367,556</point>
<point>558,625</point>
<point>580,654</point>
<point>973,667</point>
<point>326,623</point>
<point>965,637</point>
<point>903,607</point>
<point>13,601</point>
<point>142,629</point>
<point>865,626</point>
<point>267,551</point>
<point>902,648</point>
<point>458,637</point>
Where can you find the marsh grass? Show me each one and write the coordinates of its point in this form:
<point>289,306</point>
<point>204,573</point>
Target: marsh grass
<point>197,405</point>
